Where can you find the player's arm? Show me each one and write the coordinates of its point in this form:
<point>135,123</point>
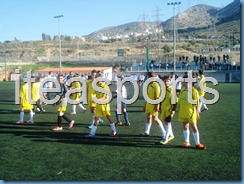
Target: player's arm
<point>173,106</point>
<point>157,95</point>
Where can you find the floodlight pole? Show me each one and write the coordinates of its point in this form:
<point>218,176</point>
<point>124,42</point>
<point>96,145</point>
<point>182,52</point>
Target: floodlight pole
<point>174,3</point>
<point>59,30</point>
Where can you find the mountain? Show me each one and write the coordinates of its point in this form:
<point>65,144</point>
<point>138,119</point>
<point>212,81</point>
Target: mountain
<point>196,17</point>
<point>230,13</point>
<point>125,30</point>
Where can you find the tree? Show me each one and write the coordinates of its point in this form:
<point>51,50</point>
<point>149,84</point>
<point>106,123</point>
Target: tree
<point>46,37</point>
<point>167,49</point>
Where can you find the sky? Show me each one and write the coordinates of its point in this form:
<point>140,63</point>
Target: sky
<point>27,19</point>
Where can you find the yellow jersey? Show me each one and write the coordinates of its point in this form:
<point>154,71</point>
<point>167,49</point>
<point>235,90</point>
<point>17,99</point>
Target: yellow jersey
<point>188,110</point>
<point>25,105</point>
<point>76,85</point>
<point>201,92</point>
<point>90,93</point>
<point>153,92</point>
<point>35,91</point>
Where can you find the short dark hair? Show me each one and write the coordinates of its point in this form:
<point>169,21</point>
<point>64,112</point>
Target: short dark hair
<point>151,74</point>
<point>201,71</point>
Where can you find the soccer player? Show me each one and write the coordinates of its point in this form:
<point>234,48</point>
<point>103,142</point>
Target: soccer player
<point>189,115</point>
<point>92,93</point>
<point>25,105</point>
<point>49,84</point>
<point>151,110</point>
<point>76,96</point>
<point>35,95</point>
<point>101,111</point>
<point>201,92</point>
<point>123,106</point>
<point>61,106</point>
<point>167,110</point>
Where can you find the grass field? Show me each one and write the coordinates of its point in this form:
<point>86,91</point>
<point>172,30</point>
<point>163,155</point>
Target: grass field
<point>35,152</point>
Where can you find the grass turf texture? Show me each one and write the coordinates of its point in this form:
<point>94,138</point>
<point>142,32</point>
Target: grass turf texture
<point>35,152</point>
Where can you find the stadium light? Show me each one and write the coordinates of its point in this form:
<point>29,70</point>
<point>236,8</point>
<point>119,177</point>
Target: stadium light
<point>59,30</point>
<point>174,3</point>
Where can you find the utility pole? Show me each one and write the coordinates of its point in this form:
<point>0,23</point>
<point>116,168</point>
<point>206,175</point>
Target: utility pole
<point>174,3</point>
<point>59,30</point>
<point>158,29</point>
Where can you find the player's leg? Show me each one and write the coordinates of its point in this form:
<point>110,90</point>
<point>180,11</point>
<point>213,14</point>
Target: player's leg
<point>73,109</point>
<point>31,114</point>
<point>196,136</point>
<point>21,117</point>
<point>93,128</point>
<point>82,107</point>
<point>148,125</point>
<point>92,110</point>
<point>112,125</point>
<point>160,125</point>
<point>186,132</point>
<point>67,118</point>
<point>127,123</point>
<point>59,120</point>
<point>119,123</point>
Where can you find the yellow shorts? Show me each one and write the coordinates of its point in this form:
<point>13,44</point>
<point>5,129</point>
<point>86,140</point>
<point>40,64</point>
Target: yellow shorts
<point>61,108</point>
<point>193,120</point>
<point>165,113</point>
<point>91,103</point>
<point>76,96</point>
<point>26,106</point>
<point>151,112</point>
<point>102,110</point>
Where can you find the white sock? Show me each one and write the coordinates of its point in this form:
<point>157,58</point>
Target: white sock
<point>205,106</point>
<point>74,108</point>
<point>161,128</point>
<point>199,106</point>
<point>112,126</point>
<point>167,132</point>
<point>81,106</point>
<point>171,131</point>
<point>196,138</point>
<point>93,130</point>
<point>148,127</point>
<point>21,116</point>
<point>93,119</point>
<point>100,120</point>
<point>31,116</point>
<point>187,135</point>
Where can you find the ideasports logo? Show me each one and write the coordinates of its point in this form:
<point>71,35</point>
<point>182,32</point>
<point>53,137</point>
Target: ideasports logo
<point>83,90</point>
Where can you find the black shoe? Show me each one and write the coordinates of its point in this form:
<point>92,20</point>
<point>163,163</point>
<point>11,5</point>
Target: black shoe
<point>127,124</point>
<point>144,135</point>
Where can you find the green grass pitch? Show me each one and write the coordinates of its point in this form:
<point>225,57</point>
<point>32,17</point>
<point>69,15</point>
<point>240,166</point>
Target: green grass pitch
<point>35,152</point>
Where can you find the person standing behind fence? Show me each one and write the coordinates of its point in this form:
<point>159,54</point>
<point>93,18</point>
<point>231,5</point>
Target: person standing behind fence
<point>151,110</point>
<point>61,106</point>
